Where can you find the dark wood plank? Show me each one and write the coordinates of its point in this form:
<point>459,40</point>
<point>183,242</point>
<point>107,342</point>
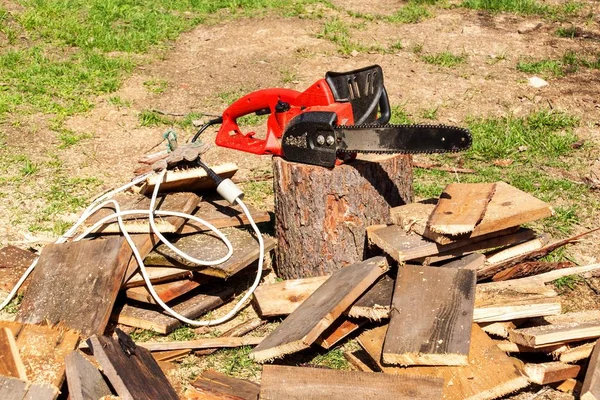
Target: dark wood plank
<point>167,291</point>
<point>460,207</point>
<point>216,384</point>
<point>431,322</point>
<point>12,388</point>
<point>298,383</point>
<point>158,275</point>
<point>530,268</point>
<point>131,370</point>
<point>208,246</point>
<point>489,374</point>
<point>83,378</point>
<point>301,328</point>
<point>76,284</point>
<point>591,384</point>
<point>13,262</point>
<point>375,303</point>
<point>10,360</point>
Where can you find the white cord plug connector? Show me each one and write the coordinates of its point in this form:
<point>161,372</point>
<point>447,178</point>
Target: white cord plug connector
<point>229,191</point>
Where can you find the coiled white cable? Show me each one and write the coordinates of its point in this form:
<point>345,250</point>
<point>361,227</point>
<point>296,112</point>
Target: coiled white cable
<point>151,212</point>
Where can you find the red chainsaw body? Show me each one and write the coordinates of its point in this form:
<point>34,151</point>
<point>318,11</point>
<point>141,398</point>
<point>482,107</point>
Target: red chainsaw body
<point>282,105</point>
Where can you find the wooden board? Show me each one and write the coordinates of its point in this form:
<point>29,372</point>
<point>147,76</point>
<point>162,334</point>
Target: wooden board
<point>42,350</point>
<point>375,303</point>
<point>76,283</point>
<point>524,269</point>
<point>167,291</point>
<point>194,304</point>
<point>282,298</point>
<point>208,246</point>
<point>577,353</point>
<point>221,214</point>
<point>138,223</point>
<point>131,370</point>
<point>10,360</point>
<point>341,329</point>
<point>83,378</point>
<point>550,372</point>
<point>489,374</point>
<point>216,385</point>
<point>556,333</point>
<point>208,343</point>
<point>296,383</point>
<point>591,384</point>
<point>472,261</point>
<point>192,179</point>
<point>13,263</point>
<point>159,275</point>
<point>460,208</point>
<point>301,328</point>
<point>17,389</point>
<point>432,318</point>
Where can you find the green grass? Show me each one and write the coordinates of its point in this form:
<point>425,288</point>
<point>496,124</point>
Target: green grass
<point>567,282</point>
<point>143,335</point>
<point>526,7</point>
<point>182,333</point>
<point>569,32</point>
<point>445,59</point>
<point>399,115</point>
<point>156,85</point>
<point>411,13</point>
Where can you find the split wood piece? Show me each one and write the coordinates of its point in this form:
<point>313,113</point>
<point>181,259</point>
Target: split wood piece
<point>514,251</point>
<point>159,275</point>
<point>192,305</point>
<point>591,384</point>
<point>375,303</point>
<point>321,214</point>
<point>500,239</point>
<point>403,246</point>
<point>17,389</point>
<point>498,328</point>
<point>13,263</point>
<point>138,223</point>
<point>510,347</point>
<point>509,207</point>
<point>550,372</point>
<point>192,179</point>
<point>577,353</point>
<point>237,331</point>
<point>208,343</point>
<point>282,298</point>
<point>570,386</point>
<point>131,370</point>
<point>170,355</point>
<point>43,349</point>
<point>167,291</point>
<point>10,360</point>
<point>295,383</point>
<point>341,329</point>
<point>215,385</point>
<point>76,283</point>
<point>301,328</point>
<point>556,333</point>
<point>489,374</point>
<point>210,247</point>
<point>506,305</point>
<point>472,261</point>
<point>221,214</point>
<point>460,208</point>
<point>359,360</point>
<point>524,269</point>
<point>531,255</point>
<point>83,378</point>
<point>433,315</point>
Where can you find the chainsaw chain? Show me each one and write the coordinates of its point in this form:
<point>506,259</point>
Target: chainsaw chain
<point>467,144</point>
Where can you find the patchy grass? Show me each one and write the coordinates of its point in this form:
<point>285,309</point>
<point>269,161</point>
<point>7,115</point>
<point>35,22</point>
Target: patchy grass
<point>445,59</point>
<point>567,282</point>
<point>156,85</point>
<point>411,13</point>
<point>527,7</point>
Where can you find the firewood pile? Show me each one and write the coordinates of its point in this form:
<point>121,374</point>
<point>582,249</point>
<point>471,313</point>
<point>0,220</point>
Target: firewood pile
<point>455,303</point>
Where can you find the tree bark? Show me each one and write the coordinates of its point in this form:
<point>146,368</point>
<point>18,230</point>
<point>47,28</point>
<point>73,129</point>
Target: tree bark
<point>321,214</point>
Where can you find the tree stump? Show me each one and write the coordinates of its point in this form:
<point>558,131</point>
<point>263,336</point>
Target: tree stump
<point>321,215</point>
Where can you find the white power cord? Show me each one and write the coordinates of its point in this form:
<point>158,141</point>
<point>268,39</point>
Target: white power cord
<point>231,193</point>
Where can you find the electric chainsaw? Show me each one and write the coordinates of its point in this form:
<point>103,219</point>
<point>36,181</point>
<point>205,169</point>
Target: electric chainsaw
<point>335,118</point>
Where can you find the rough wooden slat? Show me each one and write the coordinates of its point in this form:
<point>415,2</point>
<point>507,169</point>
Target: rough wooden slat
<point>10,360</point>
<point>556,333</point>
<point>159,275</point>
<point>431,324</point>
<point>207,246</point>
<point>166,291</point>
<point>460,207</point>
<point>13,262</point>
<point>471,261</point>
<point>524,269</point>
<point>510,347</point>
<point>591,384</point>
<point>577,353</point>
<point>301,328</point>
<point>497,328</point>
<point>282,298</point>
<point>489,374</point>
<point>375,303</point>
<point>550,372</point>
<point>83,378</point>
<point>12,388</point>
<point>341,329</point>
<point>295,383</point>
<point>207,343</point>
<point>358,359</point>
<point>214,385</point>
<point>76,283</point>
<point>188,179</point>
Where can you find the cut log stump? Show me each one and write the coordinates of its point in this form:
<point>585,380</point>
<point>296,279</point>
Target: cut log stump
<point>322,214</point>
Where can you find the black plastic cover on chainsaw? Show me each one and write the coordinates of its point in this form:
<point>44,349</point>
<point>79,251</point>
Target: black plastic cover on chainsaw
<point>364,89</point>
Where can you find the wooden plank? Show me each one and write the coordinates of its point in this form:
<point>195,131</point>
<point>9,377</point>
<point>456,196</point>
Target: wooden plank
<point>282,298</point>
<point>138,223</point>
<point>221,386</point>
<point>84,379</point>
<point>577,353</point>
<point>158,275</point>
<point>497,257</point>
<point>131,370</point>
<point>460,208</point>
<point>221,214</point>
<point>497,328</point>
<point>472,261</point>
<point>375,303</point>
<point>432,322</point>
<point>556,333</point>
<point>570,386</point>
<point>208,246</point>
<point>206,343</point>
<point>510,347</point>
<point>10,360</point>
<point>530,268</point>
<point>192,305</point>
<point>301,328</point>
<point>13,263</point>
<point>591,383</point>
<point>12,388</point>
<point>489,374</point>
<point>341,329</point>
<point>550,372</point>
<point>358,361</point>
<point>192,179</point>
<point>167,291</point>
<point>88,273</point>
<point>295,383</point>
